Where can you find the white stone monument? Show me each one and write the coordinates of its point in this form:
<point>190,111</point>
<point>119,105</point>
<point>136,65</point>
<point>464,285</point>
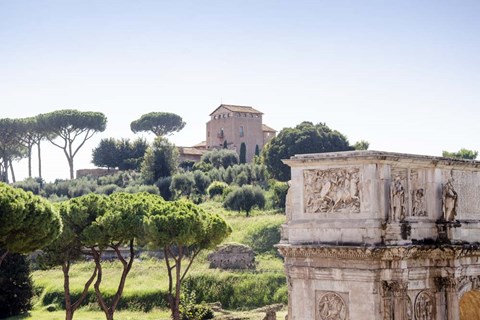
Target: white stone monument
<point>379,235</point>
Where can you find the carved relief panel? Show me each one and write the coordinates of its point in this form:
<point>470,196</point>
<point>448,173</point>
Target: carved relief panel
<point>424,306</point>
<point>418,205</point>
<point>332,191</point>
<point>331,306</point>
<point>407,194</point>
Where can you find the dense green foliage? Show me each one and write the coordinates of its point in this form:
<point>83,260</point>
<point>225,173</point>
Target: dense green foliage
<point>461,154</point>
<point>245,198</point>
<point>216,188</point>
<point>182,229</point>
<point>161,160</point>
<point>217,158</point>
<point>279,193</point>
<point>304,138</point>
<point>70,125</point>
<point>361,145</point>
<point>239,291</point>
<point>121,154</point>
<point>16,288</point>
<point>263,236</point>
<point>160,123</point>
<point>27,222</point>
<point>182,184</point>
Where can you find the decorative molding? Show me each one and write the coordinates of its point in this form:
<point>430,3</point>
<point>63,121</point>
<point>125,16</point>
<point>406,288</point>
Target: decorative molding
<point>388,253</point>
<point>332,190</point>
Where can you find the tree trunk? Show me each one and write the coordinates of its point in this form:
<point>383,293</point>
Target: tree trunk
<point>39,160</point>
<point>96,286</point>
<point>4,172</point>
<point>29,153</point>
<point>178,269</point>
<point>2,256</point>
<point>11,170</point>
<point>66,290</point>
<point>70,164</point>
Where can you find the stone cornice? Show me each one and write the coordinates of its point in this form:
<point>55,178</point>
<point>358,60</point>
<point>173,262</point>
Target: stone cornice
<point>371,156</point>
<point>386,253</point>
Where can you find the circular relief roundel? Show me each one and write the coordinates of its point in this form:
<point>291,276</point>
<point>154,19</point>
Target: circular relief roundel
<point>332,307</point>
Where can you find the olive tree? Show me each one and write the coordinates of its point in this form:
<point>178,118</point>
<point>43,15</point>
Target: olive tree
<point>27,222</point>
<point>181,230</point>
<point>245,198</point>
<point>70,126</point>
<point>160,123</point>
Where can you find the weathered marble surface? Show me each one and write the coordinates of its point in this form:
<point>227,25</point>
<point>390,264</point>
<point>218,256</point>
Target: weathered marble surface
<point>380,235</point>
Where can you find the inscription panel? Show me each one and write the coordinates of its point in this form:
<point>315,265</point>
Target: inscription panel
<point>332,191</point>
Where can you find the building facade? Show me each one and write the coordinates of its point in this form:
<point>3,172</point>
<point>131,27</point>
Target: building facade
<point>232,126</point>
<point>381,236</point>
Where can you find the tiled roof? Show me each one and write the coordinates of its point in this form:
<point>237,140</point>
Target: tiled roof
<point>241,109</point>
<point>191,151</point>
<point>267,128</point>
<point>202,144</point>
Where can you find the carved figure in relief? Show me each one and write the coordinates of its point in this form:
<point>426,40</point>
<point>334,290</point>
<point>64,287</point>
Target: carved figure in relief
<point>424,307</point>
<point>397,201</point>
<point>409,309</point>
<point>334,190</point>
<point>450,198</point>
<point>332,307</point>
<point>419,203</point>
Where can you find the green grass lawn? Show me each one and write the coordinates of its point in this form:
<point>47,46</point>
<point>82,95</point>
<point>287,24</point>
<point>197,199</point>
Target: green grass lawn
<point>129,315</point>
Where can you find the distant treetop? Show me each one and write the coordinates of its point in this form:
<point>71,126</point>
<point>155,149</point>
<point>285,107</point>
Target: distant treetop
<point>160,123</point>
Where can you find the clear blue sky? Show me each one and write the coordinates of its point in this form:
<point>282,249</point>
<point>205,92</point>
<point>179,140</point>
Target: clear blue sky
<point>403,75</point>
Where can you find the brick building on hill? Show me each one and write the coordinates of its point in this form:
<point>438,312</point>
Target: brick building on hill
<point>231,126</point>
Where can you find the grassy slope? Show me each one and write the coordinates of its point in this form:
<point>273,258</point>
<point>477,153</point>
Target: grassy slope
<point>149,275</point>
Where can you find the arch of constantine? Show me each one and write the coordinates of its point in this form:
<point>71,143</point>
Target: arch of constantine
<point>379,235</point>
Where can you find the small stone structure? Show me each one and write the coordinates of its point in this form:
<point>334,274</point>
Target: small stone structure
<point>377,235</point>
<point>232,256</point>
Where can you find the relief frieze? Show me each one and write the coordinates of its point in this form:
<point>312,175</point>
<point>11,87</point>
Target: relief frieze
<point>331,306</point>
<point>332,191</point>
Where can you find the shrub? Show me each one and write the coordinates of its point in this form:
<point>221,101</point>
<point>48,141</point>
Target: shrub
<point>220,158</point>
<point>245,199</point>
<point>241,179</point>
<point>202,181</point>
<point>239,290</point>
<point>216,188</point>
<point>182,184</point>
<point>163,184</point>
<point>187,165</point>
<point>15,286</point>
<point>30,184</point>
<point>142,188</point>
<point>262,237</point>
<point>279,194</point>
<point>190,310</point>
<point>107,189</point>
